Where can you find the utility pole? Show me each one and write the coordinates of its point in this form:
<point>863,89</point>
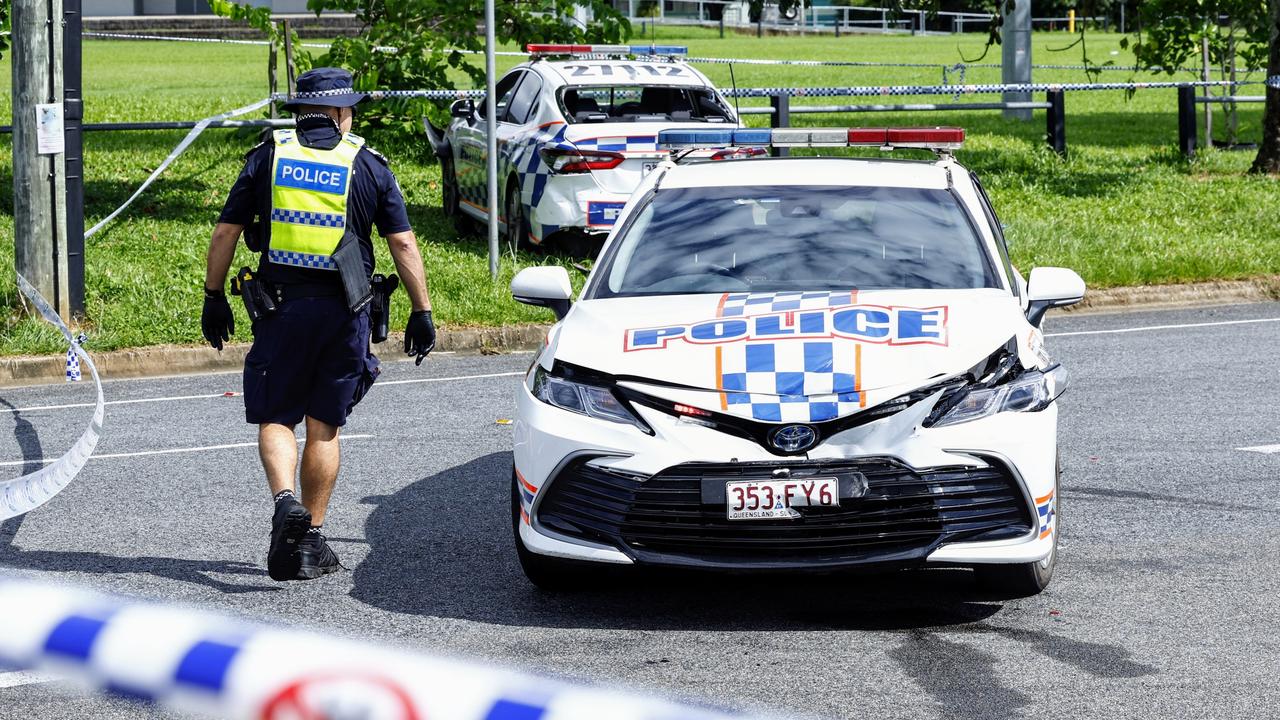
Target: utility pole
<point>1015,49</point>
<point>39,172</point>
<point>73,90</point>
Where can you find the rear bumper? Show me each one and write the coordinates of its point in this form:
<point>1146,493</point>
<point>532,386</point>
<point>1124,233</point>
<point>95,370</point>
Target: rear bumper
<point>574,202</point>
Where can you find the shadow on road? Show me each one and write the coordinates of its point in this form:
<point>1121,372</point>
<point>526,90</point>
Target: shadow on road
<point>442,547</point>
<point>192,571</point>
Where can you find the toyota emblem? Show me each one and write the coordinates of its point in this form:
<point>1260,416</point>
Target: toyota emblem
<point>793,438</point>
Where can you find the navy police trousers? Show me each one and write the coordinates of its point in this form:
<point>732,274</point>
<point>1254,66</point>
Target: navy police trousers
<point>309,358</point>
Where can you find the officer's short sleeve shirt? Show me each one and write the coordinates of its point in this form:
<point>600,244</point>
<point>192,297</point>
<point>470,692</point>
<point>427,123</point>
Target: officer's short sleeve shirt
<point>374,200</point>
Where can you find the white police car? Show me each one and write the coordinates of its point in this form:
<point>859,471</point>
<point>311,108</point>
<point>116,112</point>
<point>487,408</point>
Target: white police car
<point>816,363</point>
<point>575,135</point>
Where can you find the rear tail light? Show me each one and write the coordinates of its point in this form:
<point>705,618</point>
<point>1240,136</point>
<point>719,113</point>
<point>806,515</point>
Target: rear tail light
<point>565,161</point>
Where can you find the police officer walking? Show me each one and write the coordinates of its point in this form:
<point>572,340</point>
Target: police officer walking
<point>308,200</point>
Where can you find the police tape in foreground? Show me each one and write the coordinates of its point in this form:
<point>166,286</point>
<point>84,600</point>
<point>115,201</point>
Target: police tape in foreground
<point>194,662</point>
<point>28,492</point>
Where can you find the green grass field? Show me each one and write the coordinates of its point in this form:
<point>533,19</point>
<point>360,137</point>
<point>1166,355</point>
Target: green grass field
<point>1123,209</point>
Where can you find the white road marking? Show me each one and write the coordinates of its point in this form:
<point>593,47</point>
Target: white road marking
<point>19,678</point>
<point>176,398</point>
<point>168,451</point>
<point>1266,449</point>
<point>1161,327</point>
<point>382,383</point>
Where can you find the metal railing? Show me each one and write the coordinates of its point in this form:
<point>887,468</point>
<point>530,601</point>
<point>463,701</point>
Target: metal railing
<point>780,110</point>
<point>736,14</point>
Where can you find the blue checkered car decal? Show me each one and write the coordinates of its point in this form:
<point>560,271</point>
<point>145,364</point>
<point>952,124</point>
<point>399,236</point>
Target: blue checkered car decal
<point>297,259</point>
<point>739,304</point>
<point>810,381</point>
<point>302,217</point>
<point>628,143</point>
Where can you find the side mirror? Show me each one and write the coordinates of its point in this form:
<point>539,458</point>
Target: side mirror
<point>547,286</point>
<point>464,109</point>
<point>1051,287</point>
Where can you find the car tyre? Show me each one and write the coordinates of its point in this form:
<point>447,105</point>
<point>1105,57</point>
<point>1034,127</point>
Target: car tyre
<point>517,225</point>
<point>548,573</point>
<point>1026,579</point>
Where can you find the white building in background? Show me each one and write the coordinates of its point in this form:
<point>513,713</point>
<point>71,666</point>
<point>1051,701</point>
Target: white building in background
<point>125,8</point>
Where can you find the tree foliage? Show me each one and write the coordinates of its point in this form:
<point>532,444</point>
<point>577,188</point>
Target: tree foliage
<point>1173,30</point>
<point>4,27</point>
<point>427,44</point>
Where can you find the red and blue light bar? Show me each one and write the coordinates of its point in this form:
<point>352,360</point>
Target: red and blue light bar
<point>928,138</point>
<point>562,49</point>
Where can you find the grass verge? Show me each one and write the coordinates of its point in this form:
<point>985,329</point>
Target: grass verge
<point>1124,208</point>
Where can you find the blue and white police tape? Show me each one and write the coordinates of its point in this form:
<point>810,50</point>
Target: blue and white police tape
<point>868,90</point>
<point>192,661</point>
<point>1273,82</point>
<point>182,146</point>
<point>28,492</point>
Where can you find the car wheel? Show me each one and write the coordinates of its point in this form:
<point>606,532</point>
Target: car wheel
<point>1026,579</point>
<point>517,225</point>
<point>451,200</point>
<point>548,573</point>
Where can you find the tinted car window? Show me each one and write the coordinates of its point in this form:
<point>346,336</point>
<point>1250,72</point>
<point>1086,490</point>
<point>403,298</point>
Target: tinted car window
<point>772,239</point>
<point>523,100</point>
<point>641,103</point>
<point>503,91</point>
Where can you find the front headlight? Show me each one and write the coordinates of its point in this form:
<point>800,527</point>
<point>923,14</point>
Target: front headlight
<point>591,400</point>
<point>1030,392</point>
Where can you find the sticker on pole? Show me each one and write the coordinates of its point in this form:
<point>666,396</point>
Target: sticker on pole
<point>49,137</point>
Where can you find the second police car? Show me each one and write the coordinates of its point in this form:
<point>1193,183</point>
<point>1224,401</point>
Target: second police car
<point>577,131</point>
<point>818,363</point>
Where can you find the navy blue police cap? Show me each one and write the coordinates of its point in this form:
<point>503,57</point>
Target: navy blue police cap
<point>327,86</point>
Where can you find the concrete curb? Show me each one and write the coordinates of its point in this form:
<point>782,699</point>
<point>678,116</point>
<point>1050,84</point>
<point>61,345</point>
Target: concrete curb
<point>184,360</point>
<point>163,360</point>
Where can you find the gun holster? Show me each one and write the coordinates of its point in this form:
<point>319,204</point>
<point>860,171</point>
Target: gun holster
<point>380,309</point>
<point>255,293</point>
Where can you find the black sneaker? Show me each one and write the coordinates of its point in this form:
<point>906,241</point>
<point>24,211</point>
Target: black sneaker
<point>317,557</point>
<point>288,526</point>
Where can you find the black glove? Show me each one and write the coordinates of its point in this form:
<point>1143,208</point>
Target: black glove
<point>419,335</point>
<point>216,321</point>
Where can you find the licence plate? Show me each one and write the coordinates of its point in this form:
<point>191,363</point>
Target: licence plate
<point>648,168</point>
<point>774,499</point>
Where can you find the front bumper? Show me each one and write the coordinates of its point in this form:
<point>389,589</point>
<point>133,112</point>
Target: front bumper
<point>980,492</point>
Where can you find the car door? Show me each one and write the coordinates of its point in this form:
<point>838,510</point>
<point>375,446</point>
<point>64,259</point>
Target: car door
<point>515,132</point>
<point>471,163</point>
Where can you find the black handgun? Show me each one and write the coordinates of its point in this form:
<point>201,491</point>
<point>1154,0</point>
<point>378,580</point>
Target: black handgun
<point>258,302</point>
<point>380,310</point>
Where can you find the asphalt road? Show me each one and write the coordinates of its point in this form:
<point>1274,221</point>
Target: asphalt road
<point>1166,601</point>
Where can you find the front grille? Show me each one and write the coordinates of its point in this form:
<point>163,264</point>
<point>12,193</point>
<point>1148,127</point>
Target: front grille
<point>903,516</point>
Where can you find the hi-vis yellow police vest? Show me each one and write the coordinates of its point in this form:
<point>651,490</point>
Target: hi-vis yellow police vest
<point>309,190</point>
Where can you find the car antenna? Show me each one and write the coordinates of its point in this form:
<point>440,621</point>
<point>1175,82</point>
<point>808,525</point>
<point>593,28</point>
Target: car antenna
<point>733,81</point>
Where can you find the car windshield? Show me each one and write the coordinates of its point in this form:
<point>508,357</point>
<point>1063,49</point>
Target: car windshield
<point>779,238</point>
<point>641,103</point>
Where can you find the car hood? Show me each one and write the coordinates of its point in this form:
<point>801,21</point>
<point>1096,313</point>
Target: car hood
<point>788,357</point>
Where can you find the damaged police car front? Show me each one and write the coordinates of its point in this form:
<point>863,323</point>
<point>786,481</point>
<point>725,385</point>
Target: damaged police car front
<point>804,363</point>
